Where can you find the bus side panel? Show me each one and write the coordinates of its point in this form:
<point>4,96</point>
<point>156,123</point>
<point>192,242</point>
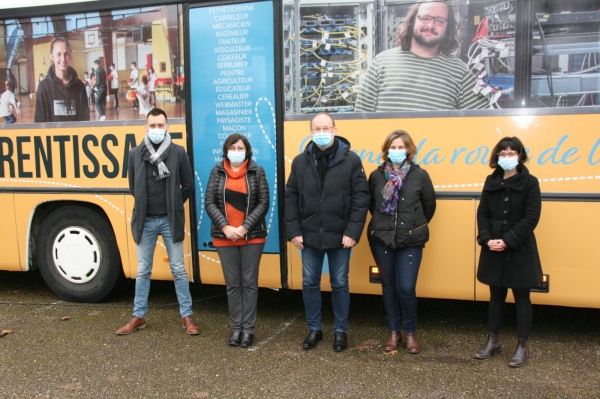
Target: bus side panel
<point>9,245</point>
<point>567,238</point>
<point>113,206</point>
<point>269,274</point>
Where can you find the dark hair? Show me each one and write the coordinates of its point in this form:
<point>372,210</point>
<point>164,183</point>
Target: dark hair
<point>322,113</point>
<point>508,142</point>
<point>61,40</point>
<point>97,61</point>
<point>234,138</point>
<point>157,112</point>
<point>409,145</point>
<point>150,68</point>
<point>9,85</point>
<point>145,79</point>
<point>134,63</point>
<point>449,43</point>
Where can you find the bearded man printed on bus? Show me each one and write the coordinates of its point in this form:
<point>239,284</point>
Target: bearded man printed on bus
<point>161,181</point>
<point>421,73</point>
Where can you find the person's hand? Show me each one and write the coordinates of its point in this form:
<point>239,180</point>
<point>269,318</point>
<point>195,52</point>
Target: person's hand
<point>497,245</point>
<point>348,242</point>
<point>230,232</point>
<point>298,242</point>
<point>241,231</point>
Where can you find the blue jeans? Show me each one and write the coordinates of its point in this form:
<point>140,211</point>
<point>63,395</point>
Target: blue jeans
<point>154,226</point>
<point>312,267</point>
<point>399,269</point>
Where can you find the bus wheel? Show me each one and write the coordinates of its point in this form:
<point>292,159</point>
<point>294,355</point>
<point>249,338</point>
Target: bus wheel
<point>77,254</point>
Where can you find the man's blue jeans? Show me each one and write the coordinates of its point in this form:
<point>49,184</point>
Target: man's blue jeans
<point>312,267</point>
<point>154,226</point>
<point>399,269</point>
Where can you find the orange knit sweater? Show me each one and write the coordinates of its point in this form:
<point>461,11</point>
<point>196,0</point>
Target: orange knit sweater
<point>236,181</point>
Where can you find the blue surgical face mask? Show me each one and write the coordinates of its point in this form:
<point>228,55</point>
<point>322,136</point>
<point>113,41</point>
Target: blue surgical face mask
<point>397,156</point>
<point>322,139</point>
<point>156,135</point>
<point>508,163</point>
<point>236,157</point>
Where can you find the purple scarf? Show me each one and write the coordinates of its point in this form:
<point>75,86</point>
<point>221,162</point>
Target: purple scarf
<point>395,182</point>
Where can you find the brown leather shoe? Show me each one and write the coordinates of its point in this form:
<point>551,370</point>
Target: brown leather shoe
<point>521,355</point>
<point>134,324</point>
<point>391,346</point>
<point>491,347</point>
<point>190,325</point>
<point>412,346</point>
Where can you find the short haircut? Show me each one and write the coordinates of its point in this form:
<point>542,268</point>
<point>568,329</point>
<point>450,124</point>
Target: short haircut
<point>60,39</point>
<point>322,113</point>
<point>9,85</point>
<point>134,63</point>
<point>409,145</point>
<point>157,112</point>
<point>404,33</point>
<point>234,138</point>
<point>97,61</point>
<point>508,142</point>
<point>145,79</point>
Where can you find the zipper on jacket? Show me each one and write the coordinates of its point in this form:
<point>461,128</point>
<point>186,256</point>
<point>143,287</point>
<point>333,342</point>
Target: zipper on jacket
<point>225,202</point>
<point>421,226</point>
<point>247,203</point>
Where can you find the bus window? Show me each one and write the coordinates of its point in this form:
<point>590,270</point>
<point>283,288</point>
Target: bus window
<point>565,64</point>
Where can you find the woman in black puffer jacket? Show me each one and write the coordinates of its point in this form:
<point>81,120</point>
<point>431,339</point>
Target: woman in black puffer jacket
<point>402,204</point>
<point>237,200</point>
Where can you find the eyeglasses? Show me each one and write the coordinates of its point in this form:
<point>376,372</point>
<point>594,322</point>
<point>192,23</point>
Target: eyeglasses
<point>325,129</point>
<point>510,154</point>
<point>438,21</point>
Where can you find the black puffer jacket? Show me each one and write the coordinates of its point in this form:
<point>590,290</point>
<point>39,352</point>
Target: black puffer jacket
<point>322,216</point>
<point>57,103</point>
<point>257,201</point>
<point>416,206</point>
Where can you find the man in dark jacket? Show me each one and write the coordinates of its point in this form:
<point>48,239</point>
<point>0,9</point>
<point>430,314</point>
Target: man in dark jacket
<point>61,95</point>
<point>326,199</point>
<point>160,179</point>
<point>100,89</point>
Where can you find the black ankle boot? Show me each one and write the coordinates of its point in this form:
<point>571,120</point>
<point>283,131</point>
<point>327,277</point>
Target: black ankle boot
<point>491,347</point>
<point>521,354</point>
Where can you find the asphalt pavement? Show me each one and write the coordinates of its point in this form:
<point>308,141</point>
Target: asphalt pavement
<point>58,349</point>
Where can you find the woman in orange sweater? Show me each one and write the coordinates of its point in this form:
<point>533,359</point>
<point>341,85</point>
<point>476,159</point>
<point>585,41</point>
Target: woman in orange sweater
<point>237,200</point>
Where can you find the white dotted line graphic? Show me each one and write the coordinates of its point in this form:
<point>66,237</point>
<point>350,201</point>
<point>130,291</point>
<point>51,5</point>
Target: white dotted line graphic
<point>201,199</point>
<point>544,180</point>
<point>51,183</point>
<point>272,144</point>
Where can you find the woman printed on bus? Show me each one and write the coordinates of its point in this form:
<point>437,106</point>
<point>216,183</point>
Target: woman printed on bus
<point>113,79</point>
<point>152,86</point>
<point>61,96</point>
<point>237,200</point>
<point>143,96</point>
<point>402,205</point>
<point>508,213</point>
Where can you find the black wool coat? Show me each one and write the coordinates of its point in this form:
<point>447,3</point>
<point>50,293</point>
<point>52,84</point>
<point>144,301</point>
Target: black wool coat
<point>178,188</point>
<point>257,201</point>
<point>323,214</point>
<point>510,210</point>
<point>415,209</point>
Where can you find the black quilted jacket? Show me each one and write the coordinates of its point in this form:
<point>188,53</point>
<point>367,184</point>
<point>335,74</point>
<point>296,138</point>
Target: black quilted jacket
<point>257,202</point>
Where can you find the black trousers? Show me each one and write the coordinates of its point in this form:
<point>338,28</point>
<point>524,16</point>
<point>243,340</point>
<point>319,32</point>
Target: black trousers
<point>523,306</point>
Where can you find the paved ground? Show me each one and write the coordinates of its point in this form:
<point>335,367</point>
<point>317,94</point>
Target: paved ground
<point>83,358</point>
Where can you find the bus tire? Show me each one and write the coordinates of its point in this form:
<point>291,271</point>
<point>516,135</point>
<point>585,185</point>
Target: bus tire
<point>78,256</point>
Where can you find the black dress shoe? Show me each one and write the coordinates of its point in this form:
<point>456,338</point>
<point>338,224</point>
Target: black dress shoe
<point>312,338</point>
<point>247,340</point>
<point>234,338</point>
<point>340,342</point>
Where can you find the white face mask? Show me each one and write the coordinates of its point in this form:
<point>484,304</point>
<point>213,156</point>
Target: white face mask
<point>236,157</point>
<point>156,135</point>
<point>508,163</point>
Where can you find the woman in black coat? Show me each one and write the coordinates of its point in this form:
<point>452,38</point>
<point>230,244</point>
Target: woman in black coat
<point>237,201</point>
<point>508,213</point>
<point>402,204</point>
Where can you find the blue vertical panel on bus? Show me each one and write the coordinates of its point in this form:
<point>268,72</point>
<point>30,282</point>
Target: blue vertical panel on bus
<point>233,91</point>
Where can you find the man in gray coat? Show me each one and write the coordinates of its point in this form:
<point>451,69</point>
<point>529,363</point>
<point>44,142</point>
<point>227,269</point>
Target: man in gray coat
<point>160,179</point>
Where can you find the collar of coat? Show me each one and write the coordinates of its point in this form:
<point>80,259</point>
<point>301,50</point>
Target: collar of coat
<point>517,182</point>
<point>344,146</point>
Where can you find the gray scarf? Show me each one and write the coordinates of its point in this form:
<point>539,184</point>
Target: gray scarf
<point>157,157</point>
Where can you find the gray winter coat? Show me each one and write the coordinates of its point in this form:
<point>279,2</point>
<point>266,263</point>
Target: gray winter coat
<point>178,188</point>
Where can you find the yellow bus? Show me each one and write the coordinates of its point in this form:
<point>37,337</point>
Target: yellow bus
<point>264,68</point>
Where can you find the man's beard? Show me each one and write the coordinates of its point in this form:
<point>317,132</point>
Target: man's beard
<point>431,43</point>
